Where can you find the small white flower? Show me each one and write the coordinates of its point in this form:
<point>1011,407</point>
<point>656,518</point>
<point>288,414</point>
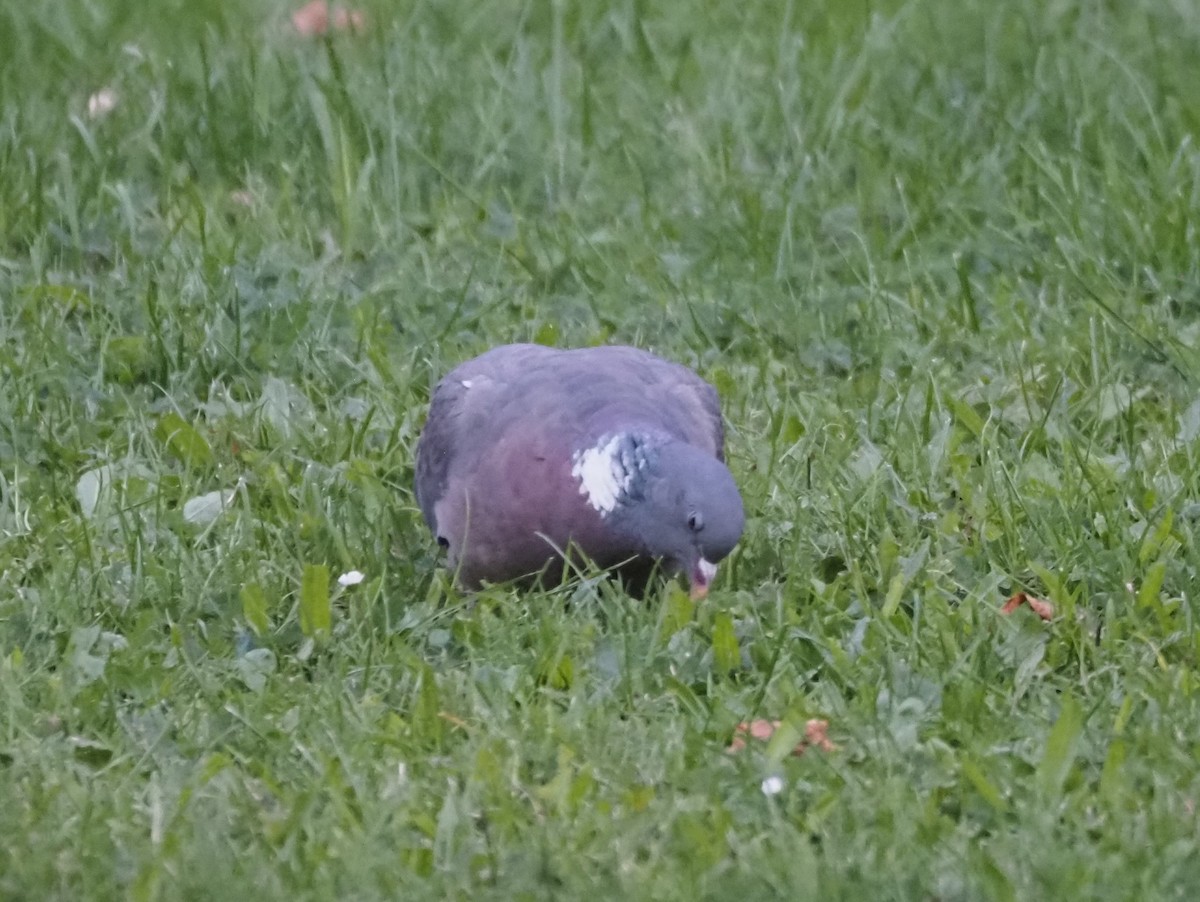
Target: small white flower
<point>102,103</point>
<point>772,786</point>
<point>351,578</point>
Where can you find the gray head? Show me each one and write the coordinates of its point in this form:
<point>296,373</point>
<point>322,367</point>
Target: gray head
<point>676,503</point>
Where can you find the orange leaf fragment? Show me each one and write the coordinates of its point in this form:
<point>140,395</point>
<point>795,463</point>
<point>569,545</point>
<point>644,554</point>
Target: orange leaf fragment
<point>316,18</point>
<point>1043,609</point>
<point>760,729</point>
<point>816,735</point>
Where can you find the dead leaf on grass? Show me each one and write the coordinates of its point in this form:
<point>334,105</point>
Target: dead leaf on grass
<point>816,735</point>
<point>317,18</point>
<point>1043,609</point>
<point>454,721</point>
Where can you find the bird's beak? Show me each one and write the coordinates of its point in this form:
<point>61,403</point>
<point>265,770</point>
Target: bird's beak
<point>701,577</point>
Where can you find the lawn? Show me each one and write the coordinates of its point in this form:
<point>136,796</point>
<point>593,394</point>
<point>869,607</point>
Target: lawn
<point>941,259</point>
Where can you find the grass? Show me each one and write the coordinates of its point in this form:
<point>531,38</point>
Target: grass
<point>941,259</point>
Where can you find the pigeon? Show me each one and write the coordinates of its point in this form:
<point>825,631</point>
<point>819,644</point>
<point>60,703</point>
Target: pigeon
<point>533,456</point>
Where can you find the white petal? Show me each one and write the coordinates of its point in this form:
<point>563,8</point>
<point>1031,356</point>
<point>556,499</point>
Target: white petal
<point>203,509</point>
<point>89,488</point>
<point>102,103</point>
<point>97,489</point>
<point>351,578</point>
<point>772,786</point>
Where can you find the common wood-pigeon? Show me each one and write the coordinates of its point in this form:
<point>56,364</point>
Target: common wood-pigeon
<point>531,453</point>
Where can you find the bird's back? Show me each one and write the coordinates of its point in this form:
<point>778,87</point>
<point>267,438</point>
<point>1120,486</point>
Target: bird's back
<point>502,428</point>
<point>528,390</point>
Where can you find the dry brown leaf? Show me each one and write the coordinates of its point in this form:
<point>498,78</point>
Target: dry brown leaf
<point>1043,609</point>
<point>755,729</point>
<point>452,719</point>
<point>816,735</point>
<point>317,18</point>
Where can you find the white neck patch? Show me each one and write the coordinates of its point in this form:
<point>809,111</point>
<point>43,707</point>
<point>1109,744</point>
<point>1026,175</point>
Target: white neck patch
<point>605,474</point>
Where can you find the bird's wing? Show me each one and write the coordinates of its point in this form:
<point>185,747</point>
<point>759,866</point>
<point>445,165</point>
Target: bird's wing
<point>681,402</point>
<point>463,419</point>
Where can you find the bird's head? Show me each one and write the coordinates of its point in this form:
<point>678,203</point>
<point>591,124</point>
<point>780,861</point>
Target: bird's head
<point>678,503</point>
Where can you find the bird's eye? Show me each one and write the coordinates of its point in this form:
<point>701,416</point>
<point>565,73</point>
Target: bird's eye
<point>695,521</point>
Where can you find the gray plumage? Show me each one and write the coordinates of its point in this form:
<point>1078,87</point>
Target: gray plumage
<point>531,452</point>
